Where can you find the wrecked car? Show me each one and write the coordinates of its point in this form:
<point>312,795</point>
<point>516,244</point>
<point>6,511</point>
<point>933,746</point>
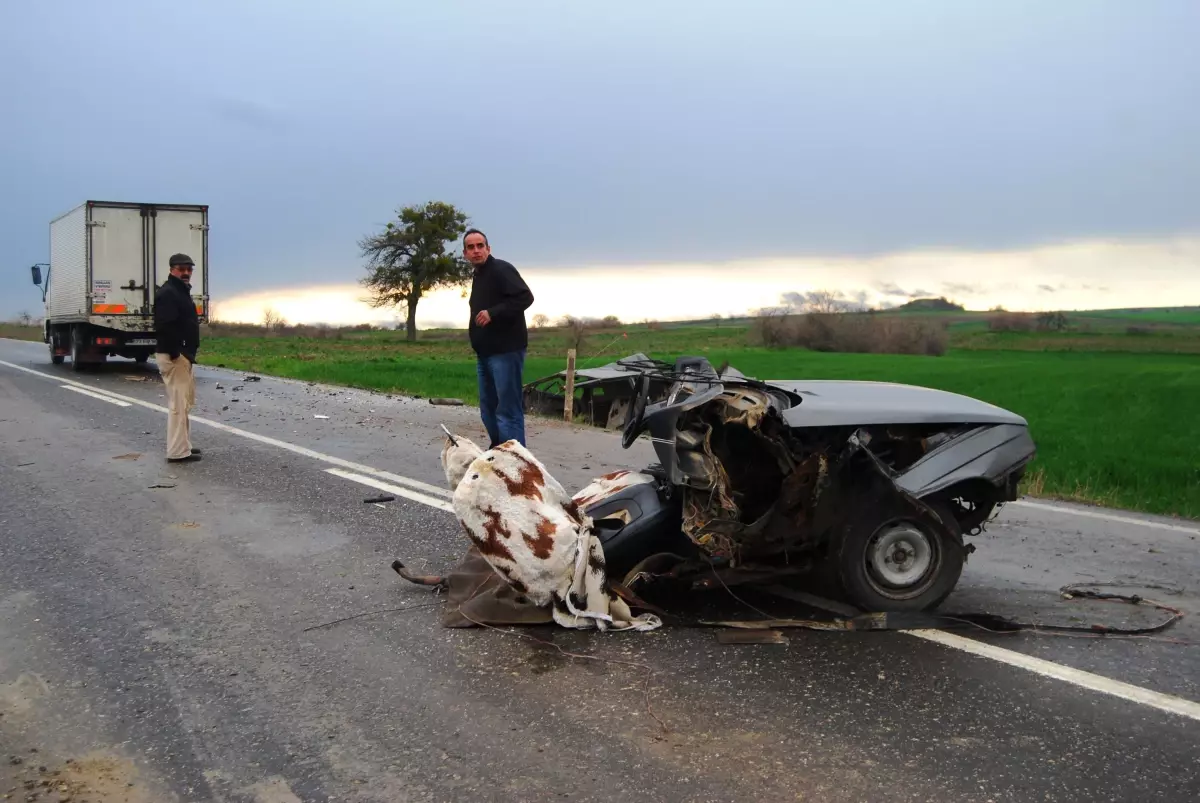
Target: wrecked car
<point>868,486</point>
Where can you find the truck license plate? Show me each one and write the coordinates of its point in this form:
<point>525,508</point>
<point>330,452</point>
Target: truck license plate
<point>141,341</point>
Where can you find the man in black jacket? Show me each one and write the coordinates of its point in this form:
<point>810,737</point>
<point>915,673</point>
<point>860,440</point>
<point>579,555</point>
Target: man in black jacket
<point>178,329</point>
<point>499,298</point>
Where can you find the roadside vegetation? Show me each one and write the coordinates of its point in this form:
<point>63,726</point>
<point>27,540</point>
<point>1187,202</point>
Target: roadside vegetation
<point>1111,409</point>
<point>1110,395</point>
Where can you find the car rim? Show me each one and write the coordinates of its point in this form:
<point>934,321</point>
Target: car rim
<point>901,559</point>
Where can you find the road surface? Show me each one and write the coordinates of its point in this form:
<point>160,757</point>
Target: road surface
<point>157,641</point>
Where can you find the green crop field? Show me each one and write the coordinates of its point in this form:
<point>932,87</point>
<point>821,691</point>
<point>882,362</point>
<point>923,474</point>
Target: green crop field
<point>1112,411</point>
<point>1116,428</point>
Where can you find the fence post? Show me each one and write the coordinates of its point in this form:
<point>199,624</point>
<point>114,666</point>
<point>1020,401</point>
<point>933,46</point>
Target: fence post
<point>569,404</point>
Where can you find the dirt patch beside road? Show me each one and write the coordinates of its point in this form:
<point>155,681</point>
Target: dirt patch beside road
<point>93,778</point>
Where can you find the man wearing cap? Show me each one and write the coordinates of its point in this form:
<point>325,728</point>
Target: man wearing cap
<point>178,328</point>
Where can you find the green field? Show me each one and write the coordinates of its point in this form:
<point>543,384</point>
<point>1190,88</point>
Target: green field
<point>1113,413</point>
<point>1112,428</point>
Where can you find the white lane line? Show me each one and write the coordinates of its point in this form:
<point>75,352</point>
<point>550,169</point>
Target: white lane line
<point>96,395</point>
<point>1076,677</point>
<point>1126,691</point>
<point>291,447</point>
<point>1096,514</point>
<point>392,489</point>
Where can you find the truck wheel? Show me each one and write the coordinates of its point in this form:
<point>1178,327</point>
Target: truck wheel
<point>57,359</point>
<point>901,561</point>
<point>141,358</point>
<point>76,349</point>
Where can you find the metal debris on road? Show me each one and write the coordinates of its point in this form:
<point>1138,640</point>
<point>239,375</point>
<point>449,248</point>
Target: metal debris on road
<point>320,416</point>
<point>252,378</point>
<point>162,485</point>
<point>751,637</point>
<point>377,499</point>
<point>447,402</point>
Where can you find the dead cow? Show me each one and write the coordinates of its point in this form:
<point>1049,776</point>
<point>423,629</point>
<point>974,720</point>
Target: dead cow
<point>533,535</point>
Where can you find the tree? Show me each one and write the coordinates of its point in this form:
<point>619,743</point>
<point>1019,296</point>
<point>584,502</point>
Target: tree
<point>408,259</point>
<point>541,320</point>
<point>1052,321</point>
<point>827,302</point>
<point>272,320</point>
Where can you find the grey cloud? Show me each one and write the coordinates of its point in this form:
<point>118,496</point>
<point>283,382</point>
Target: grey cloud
<point>793,299</point>
<point>892,289</point>
<point>961,289</point>
<point>250,113</point>
<point>300,156</point>
<point>1045,288</point>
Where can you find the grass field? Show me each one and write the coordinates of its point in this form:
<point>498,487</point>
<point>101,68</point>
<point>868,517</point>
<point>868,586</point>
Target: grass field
<point>1113,413</point>
<point>1112,428</point>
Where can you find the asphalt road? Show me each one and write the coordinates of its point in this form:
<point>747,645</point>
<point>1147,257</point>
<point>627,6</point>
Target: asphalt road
<point>156,637</point>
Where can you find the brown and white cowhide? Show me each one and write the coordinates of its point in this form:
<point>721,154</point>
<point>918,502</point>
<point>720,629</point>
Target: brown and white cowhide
<point>601,488</point>
<point>534,535</point>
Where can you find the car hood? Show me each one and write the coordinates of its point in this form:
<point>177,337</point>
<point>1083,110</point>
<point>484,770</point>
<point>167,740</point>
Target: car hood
<point>830,403</point>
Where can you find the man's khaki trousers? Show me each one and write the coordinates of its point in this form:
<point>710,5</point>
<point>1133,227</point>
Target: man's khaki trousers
<point>181,395</point>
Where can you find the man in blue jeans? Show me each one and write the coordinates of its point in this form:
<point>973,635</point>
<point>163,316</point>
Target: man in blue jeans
<point>500,338</point>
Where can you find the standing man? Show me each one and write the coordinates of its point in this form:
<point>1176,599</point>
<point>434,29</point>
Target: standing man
<point>178,328</point>
<point>499,298</point>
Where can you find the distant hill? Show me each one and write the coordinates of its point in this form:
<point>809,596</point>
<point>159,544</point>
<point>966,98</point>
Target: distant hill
<point>930,305</point>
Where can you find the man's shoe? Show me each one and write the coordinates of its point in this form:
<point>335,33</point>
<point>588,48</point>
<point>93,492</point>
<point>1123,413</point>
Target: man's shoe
<point>189,459</point>
<point>195,451</point>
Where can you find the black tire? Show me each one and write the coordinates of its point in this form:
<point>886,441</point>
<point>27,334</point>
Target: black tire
<point>872,580</point>
<point>141,359</point>
<point>76,348</point>
<point>57,359</point>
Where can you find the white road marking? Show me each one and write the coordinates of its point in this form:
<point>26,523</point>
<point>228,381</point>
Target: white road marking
<point>1076,677</point>
<point>1126,691</point>
<point>291,447</point>
<point>1103,516</point>
<point>392,489</point>
<point>1164,702</point>
<point>96,395</point>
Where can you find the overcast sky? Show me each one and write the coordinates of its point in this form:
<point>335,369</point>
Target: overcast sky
<point>583,137</point>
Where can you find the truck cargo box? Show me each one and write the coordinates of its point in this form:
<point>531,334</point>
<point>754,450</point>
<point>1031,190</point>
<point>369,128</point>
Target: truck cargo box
<point>107,259</point>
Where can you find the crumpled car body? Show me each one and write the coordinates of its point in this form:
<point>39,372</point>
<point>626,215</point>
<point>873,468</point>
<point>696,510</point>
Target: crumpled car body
<point>873,484</point>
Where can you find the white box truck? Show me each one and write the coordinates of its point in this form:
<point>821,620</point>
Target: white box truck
<point>107,260</point>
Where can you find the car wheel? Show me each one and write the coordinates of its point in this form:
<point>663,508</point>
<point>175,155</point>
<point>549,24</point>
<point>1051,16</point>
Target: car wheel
<point>904,561</point>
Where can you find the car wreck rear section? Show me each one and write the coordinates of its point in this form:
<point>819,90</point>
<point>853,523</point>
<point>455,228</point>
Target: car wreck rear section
<point>872,484</point>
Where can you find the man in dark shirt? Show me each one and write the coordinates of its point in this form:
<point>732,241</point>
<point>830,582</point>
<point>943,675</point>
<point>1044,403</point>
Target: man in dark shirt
<point>178,328</point>
<point>500,338</point>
